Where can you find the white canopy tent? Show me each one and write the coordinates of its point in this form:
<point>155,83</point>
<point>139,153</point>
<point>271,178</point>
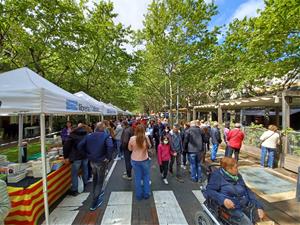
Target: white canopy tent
<point>109,110</point>
<point>119,111</point>
<point>22,91</point>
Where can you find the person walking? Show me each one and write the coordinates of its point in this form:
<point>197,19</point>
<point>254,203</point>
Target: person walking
<point>118,135</point>
<point>5,205</point>
<point>177,148</point>
<point>226,131</point>
<point>206,139</point>
<point>125,137</point>
<point>139,145</point>
<point>163,156</point>
<point>65,132</point>
<point>76,157</point>
<point>194,144</point>
<point>98,147</point>
<point>235,139</point>
<point>185,150</point>
<point>270,139</point>
<point>215,140</point>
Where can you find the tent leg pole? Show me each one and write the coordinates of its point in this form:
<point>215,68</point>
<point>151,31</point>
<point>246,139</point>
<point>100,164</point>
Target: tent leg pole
<point>43,151</point>
<point>20,138</point>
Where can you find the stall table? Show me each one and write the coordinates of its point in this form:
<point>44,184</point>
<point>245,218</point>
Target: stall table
<point>28,203</point>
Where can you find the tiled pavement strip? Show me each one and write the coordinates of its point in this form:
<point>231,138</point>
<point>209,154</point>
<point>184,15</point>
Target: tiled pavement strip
<point>120,207</point>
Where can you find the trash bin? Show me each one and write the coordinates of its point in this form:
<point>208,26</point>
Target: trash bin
<point>24,152</point>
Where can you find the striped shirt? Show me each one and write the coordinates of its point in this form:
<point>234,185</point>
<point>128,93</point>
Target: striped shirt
<point>4,202</point>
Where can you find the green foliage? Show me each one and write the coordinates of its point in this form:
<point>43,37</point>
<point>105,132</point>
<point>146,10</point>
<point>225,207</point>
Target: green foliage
<point>74,46</point>
<point>252,135</point>
<point>177,45</point>
<point>82,48</point>
<point>253,125</point>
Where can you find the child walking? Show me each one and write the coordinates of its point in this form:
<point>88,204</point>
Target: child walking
<point>164,156</point>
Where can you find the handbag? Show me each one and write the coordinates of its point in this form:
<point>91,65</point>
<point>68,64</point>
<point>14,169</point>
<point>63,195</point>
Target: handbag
<point>80,185</point>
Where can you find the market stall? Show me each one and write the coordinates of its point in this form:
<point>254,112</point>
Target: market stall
<point>23,92</point>
<point>27,203</point>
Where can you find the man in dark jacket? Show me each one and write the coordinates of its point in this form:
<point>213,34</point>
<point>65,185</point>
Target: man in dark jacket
<point>193,141</point>
<point>76,157</point>
<point>215,140</point>
<point>98,148</point>
<point>126,135</point>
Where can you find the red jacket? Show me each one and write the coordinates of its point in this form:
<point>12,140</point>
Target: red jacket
<point>235,138</point>
<point>163,153</point>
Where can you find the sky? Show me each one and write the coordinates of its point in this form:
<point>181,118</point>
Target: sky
<point>131,12</point>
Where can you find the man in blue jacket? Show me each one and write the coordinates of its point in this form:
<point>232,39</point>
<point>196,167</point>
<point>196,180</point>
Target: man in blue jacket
<point>98,147</point>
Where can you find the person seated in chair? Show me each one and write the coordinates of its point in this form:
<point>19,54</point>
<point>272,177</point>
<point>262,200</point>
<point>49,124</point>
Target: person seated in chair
<point>227,187</point>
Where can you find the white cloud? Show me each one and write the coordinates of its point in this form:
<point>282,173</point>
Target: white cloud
<point>131,12</point>
<point>248,9</point>
<point>214,1</point>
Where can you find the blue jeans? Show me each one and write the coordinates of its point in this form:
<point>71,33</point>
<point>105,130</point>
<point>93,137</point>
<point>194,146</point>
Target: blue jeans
<point>141,172</point>
<point>214,151</point>
<point>74,173</point>
<point>119,151</point>
<point>239,217</point>
<point>271,155</point>
<point>195,165</point>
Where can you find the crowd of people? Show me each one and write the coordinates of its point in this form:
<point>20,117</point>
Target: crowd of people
<point>136,140</point>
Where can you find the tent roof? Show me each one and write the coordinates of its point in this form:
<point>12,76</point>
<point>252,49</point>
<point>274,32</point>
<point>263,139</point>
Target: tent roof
<point>105,109</point>
<point>120,111</point>
<point>24,91</point>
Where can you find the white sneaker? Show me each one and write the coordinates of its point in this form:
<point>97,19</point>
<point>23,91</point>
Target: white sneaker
<point>165,181</point>
<point>183,167</point>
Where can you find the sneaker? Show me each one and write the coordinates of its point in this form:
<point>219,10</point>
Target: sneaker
<point>183,167</point>
<point>90,180</point>
<point>179,179</point>
<point>126,177</point>
<point>165,181</point>
<point>96,204</point>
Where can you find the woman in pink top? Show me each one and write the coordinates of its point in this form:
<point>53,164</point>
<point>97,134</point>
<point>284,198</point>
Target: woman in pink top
<point>139,144</point>
<point>164,156</point>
